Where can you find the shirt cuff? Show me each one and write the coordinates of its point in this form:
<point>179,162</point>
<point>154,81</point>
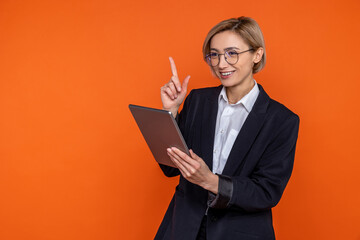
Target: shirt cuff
<point>225,192</point>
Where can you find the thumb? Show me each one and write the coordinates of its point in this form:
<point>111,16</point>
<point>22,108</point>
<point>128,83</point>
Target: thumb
<point>185,84</point>
<point>193,155</point>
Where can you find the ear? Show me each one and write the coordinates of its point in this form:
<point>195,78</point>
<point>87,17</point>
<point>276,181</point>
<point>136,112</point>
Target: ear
<point>258,55</point>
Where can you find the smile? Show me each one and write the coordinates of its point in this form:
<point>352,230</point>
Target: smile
<point>226,74</point>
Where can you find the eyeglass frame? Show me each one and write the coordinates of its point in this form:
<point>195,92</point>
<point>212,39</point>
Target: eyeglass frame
<point>237,56</point>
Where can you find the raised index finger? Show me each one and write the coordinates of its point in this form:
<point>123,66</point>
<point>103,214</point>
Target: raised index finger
<point>173,67</point>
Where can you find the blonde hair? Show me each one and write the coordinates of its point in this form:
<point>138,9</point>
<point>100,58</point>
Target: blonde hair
<point>249,31</point>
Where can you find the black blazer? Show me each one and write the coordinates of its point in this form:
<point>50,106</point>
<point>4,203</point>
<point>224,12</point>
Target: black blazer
<point>259,166</point>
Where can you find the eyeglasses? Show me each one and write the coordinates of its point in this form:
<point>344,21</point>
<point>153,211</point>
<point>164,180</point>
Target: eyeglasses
<point>231,57</point>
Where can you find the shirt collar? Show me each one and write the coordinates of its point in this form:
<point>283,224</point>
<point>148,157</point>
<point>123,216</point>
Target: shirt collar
<point>247,101</point>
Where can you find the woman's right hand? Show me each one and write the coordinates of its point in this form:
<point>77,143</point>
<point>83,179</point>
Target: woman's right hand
<point>173,93</point>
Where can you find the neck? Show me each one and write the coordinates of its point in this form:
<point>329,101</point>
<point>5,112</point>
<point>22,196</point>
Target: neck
<point>236,93</point>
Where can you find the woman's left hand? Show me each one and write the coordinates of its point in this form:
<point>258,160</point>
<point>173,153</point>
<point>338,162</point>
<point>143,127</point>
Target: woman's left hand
<point>194,169</point>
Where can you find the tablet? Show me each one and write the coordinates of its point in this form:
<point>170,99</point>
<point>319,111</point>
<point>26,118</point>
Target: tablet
<point>160,132</point>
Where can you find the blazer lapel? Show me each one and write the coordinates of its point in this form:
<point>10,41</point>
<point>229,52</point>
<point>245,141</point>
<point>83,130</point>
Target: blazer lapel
<point>208,126</point>
<point>248,133</point>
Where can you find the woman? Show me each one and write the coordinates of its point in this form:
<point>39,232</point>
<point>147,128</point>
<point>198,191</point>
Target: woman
<point>242,141</point>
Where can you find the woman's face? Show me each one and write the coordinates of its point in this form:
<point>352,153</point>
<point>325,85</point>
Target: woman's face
<point>239,74</point>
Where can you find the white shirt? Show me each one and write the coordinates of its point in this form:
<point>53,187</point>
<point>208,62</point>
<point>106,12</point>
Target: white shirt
<point>230,119</point>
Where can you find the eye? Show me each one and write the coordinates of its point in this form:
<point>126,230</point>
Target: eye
<point>213,55</point>
<point>231,53</point>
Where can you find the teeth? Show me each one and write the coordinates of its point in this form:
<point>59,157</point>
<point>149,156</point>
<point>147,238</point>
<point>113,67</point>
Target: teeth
<point>226,74</point>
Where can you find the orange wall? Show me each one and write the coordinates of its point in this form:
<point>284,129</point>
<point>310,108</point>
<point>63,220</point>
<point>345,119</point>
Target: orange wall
<point>73,164</point>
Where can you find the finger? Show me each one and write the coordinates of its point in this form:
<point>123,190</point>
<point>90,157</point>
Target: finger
<point>175,77</point>
<point>184,171</point>
<point>173,67</point>
<point>173,89</point>
<point>185,83</point>
<point>167,91</point>
<point>175,80</point>
<point>176,163</point>
<point>192,162</point>
<point>170,88</point>
<point>184,174</point>
<point>193,155</point>
<point>170,93</point>
<point>181,167</point>
<point>182,161</point>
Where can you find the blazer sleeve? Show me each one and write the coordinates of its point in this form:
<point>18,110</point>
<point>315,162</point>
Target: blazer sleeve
<point>264,187</point>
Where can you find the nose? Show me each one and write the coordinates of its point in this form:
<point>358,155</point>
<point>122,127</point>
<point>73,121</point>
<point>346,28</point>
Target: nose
<point>222,62</point>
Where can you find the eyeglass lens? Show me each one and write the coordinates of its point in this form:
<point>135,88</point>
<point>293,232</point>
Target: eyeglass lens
<point>231,57</point>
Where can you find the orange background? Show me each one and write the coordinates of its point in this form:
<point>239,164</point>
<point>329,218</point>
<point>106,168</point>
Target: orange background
<point>73,164</point>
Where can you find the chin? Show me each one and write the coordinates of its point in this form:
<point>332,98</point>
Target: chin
<point>228,82</point>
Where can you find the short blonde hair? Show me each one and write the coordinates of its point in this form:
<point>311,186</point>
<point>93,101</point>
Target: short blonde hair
<point>249,31</point>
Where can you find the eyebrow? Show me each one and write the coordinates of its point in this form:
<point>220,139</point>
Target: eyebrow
<point>225,49</point>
